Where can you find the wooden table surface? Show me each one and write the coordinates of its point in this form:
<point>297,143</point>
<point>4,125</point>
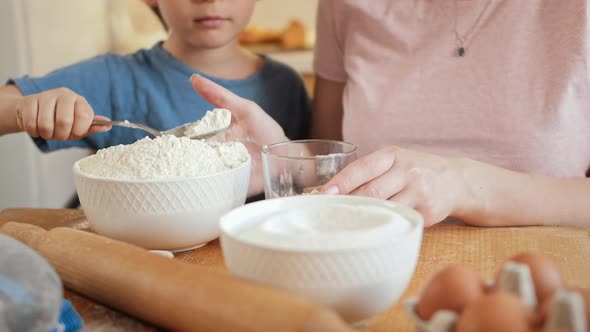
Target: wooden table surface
<point>484,249</point>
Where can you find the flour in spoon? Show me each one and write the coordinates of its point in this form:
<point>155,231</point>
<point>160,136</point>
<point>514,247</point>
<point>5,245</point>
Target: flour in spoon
<point>165,157</point>
<point>213,121</point>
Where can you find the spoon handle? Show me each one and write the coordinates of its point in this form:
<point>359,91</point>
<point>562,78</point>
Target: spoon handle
<point>128,124</point>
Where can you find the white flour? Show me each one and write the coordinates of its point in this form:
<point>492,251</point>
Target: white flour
<point>165,157</point>
<point>332,226</point>
<point>213,121</point>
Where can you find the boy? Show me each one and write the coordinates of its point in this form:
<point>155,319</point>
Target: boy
<point>151,86</point>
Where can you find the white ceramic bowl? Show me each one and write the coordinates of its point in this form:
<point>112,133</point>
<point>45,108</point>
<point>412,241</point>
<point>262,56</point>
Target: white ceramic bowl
<point>357,281</point>
<point>175,214</point>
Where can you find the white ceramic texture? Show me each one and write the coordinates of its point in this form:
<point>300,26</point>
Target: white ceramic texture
<point>356,282</point>
<point>175,214</point>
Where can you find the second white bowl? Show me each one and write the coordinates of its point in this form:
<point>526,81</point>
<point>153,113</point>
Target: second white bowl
<point>357,280</point>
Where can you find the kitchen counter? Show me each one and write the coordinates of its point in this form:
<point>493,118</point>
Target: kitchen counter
<point>484,249</point>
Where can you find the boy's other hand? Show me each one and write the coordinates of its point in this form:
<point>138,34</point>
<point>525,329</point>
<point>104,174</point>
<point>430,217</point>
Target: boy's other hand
<point>250,125</point>
<point>249,122</point>
<point>58,114</point>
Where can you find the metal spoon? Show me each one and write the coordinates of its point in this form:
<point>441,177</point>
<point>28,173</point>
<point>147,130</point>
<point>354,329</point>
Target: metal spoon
<point>176,131</point>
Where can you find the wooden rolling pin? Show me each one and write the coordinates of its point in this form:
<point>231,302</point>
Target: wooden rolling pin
<point>174,295</point>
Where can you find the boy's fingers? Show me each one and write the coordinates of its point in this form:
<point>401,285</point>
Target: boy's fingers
<point>46,116</point>
<point>218,95</point>
<point>101,118</point>
<point>19,117</point>
<point>83,116</point>
<point>28,111</point>
<point>64,117</point>
<point>101,128</point>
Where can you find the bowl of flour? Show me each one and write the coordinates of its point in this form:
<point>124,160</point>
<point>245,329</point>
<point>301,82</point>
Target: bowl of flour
<point>165,193</point>
<point>353,254</point>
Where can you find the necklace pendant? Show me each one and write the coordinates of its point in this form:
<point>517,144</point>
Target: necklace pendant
<point>461,51</point>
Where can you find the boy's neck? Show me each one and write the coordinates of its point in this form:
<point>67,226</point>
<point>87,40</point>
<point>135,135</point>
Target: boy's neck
<point>227,62</point>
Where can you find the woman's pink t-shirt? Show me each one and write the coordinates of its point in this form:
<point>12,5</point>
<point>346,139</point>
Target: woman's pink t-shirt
<point>519,98</point>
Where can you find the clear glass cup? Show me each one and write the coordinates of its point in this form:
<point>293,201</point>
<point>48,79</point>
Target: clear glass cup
<point>297,167</point>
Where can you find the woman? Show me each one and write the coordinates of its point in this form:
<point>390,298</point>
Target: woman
<point>473,109</point>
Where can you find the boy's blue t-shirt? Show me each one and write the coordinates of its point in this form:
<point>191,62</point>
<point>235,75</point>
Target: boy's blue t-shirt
<point>152,87</point>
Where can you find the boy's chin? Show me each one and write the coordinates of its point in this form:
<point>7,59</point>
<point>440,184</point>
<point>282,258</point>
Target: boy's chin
<point>211,41</point>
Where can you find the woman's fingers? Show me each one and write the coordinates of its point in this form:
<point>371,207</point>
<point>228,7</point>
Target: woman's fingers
<point>384,186</point>
<point>419,194</point>
<point>408,194</point>
<point>360,172</point>
<point>421,181</point>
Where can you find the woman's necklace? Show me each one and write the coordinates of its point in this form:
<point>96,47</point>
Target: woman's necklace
<point>462,37</point>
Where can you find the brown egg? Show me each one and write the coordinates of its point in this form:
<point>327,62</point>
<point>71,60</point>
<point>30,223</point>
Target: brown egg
<point>544,273</point>
<point>496,312</point>
<point>452,288</point>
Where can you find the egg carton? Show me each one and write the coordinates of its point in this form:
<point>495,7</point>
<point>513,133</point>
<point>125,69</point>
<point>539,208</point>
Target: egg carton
<point>567,309</point>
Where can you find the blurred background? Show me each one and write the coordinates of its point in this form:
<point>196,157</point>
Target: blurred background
<point>39,35</point>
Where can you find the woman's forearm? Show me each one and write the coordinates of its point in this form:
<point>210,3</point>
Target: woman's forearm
<point>499,197</point>
<point>327,114</point>
<point>9,98</point>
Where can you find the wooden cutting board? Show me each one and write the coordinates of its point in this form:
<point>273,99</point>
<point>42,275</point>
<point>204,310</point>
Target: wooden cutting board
<point>484,249</point>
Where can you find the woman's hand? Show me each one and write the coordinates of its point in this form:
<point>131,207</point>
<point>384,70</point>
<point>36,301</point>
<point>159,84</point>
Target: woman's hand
<point>430,184</point>
<point>58,114</point>
<point>250,125</point>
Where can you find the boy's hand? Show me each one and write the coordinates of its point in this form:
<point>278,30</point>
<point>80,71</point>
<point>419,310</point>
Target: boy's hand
<point>250,125</point>
<point>58,114</point>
